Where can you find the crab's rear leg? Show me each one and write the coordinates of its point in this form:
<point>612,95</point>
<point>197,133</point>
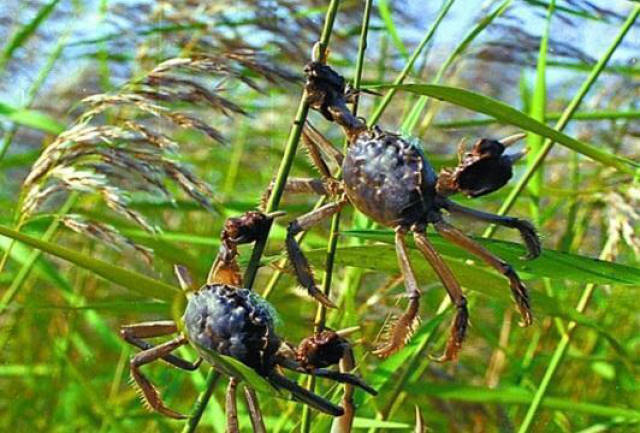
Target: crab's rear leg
<point>518,289</point>
<point>304,395</point>
<point>300,264</point>
<point>255,414</point>
<point>231,407</point>
<point>134,334</point>
<point>302,185</point>
<point>150,394</point>
<point>459,326</point>
<point>328,185</point>
<point>402,329</point>
<point>316,142</point>
<point>344,424</point>
<point>341,376</point>
<point>526,229</point>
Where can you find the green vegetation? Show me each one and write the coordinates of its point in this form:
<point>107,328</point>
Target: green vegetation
<point>131,131</point>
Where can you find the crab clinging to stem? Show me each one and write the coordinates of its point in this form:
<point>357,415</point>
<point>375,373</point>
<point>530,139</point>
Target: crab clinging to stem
<point>389,179</point>
<point>223,318</point>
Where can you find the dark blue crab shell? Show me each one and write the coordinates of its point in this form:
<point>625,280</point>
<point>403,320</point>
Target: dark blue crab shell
<point>234,322</point>
<point>389,179</point>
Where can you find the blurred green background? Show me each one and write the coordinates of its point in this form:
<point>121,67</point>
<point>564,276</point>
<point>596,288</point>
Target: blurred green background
<point>64,368</point>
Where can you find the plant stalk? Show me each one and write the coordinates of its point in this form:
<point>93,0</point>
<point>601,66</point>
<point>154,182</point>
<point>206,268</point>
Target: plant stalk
<point>344,425</point>
<point>562,346</point>
<point>407,67</point>
<point>273,203</point>
<point>290,149</point>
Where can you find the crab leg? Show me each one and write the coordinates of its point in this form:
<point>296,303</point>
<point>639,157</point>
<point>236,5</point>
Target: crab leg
<point>300,185</point>
<point>344,423</point>
<point>150,394</point>
<point>305,396</point>
<point>255,414</point>
<point>231,407</point>
<point>518,289</point>
<point>404,327</point>
<point>315,142</point>
<point>299,261</point>
<point>459,326</point>
<point>338,376</point>
<point>526,229</point>
<point>133,334</point>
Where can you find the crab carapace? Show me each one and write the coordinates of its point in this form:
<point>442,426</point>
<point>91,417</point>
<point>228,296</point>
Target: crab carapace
<point>389,179</point>
<point>225,318</point>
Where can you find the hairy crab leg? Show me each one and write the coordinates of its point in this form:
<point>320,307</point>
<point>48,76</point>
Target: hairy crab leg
<point>299,185</point>
<point>255,414</point>
<point>526,229</point>
<point>151,395</point>
<point>401,331</point>
<point>305,396</point>
<point>344,424</point>
<point>316,142</point>
<point>133,334</point>
<point>231,407</point>
<point>518,289</point>
<point>450,283</point>
<point>328,185</point>
<point>338,376</point>
<point>299,261</point>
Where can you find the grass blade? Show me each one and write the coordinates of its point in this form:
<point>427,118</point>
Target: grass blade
<point>375,116</point>
<point>581,115</point>
<point>567,115</point>
<point>538,107</point>
<point>409,124</point>
<point>550,264</point>
<point>509,395</point>
<point>133,281</point>
<point>31,118</point>
<point>25,32</point>
<point>508,114</point>
<point>385,14</point>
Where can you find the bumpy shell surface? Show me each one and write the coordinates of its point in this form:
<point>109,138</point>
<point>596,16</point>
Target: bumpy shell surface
<point>388,179</point>
<point>234,322</point>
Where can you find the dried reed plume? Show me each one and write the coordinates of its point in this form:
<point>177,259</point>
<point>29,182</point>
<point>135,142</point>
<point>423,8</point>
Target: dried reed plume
<point>122,143</point>
<point>623,217</point>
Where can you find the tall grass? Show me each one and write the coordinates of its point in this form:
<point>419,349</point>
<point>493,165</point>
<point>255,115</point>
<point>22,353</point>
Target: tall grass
<point>441,73</point>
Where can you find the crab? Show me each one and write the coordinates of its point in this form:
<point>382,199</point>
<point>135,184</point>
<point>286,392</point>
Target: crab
<point>389,179</point>
<point>223,318</point>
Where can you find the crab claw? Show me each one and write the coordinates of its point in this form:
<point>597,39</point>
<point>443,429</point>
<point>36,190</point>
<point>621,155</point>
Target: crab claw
<point>322,349</point>
<point>482,170</point>
<point>512,139</point>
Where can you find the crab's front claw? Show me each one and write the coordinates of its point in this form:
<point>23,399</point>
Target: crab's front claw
<point>326,91</point>
<point>322,349</point>
<point>482,170</point>
<point>248,228</point>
